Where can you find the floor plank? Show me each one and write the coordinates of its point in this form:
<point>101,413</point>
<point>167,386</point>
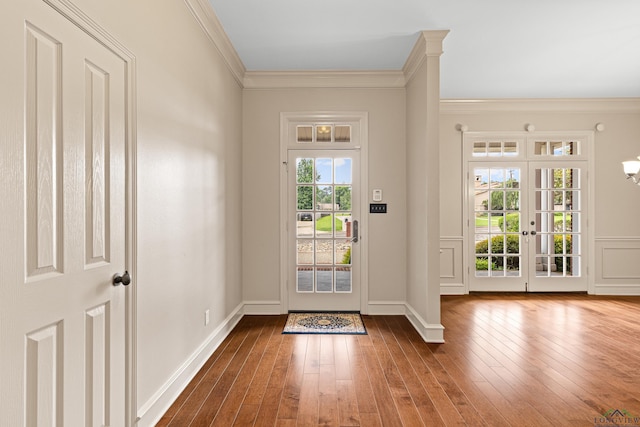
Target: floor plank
<point>509,359</point>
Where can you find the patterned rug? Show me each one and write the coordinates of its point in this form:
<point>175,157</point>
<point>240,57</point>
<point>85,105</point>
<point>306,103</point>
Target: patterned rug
<point>325,323</point>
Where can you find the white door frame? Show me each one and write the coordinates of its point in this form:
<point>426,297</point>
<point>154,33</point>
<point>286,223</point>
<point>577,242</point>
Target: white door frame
<point>93,29</point>
<point>288,123</point>
<point>526,154</point>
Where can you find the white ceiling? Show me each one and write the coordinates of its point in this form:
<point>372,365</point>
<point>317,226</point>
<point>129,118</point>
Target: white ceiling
<point>495,48</point>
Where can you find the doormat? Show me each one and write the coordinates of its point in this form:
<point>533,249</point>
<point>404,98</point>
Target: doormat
<point>325,323</point>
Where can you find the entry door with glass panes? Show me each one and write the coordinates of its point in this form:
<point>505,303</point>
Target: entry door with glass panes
<point>528,221</point>
<point>323,197</point>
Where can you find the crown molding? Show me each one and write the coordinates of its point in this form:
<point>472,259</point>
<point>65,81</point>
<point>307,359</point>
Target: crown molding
<point>560,105</point>
<point>208,21</point>
<point>323,79</point>
<point>429,43</point>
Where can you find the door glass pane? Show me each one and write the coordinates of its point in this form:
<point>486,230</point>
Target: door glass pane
<point>324,252</point>
<point>343,197</point>
<point>344,225</point>
<point>324,171</point>
<point>343,171</point>
<point>343,279</point>
<point>557,213</point>
<point>304,171</point>
<point>304,279</point>
<point>324,279</point>
<point>343,253</point>
<point>497,221</point>
<point>304,252</point>
<point>324,198</point>
<point>304,197</point>
<point>324,223</point>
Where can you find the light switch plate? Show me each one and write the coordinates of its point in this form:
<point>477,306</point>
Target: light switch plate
<point>377,195</point>
<point>378,208</point>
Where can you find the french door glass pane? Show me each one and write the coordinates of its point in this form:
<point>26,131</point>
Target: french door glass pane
<point>557,213</point>
<point>497,221</point>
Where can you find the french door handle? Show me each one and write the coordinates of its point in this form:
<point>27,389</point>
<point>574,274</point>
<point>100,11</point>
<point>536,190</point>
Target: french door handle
<point>524,233</point>
<point>533,232</point>
<point>355,237</point>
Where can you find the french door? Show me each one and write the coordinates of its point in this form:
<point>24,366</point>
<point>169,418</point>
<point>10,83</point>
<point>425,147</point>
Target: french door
<point>527,221</point>
<point>323,234</point>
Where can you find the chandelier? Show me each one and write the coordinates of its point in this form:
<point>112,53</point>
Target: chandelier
<point>632,169</point>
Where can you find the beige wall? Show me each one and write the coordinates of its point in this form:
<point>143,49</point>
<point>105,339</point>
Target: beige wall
<point>423,269</point>
<point>189,186</point>
<point>261,184</point>
<point>208,187</point>
<point>616,229</point>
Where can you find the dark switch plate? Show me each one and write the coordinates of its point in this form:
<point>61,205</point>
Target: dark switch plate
<point>377,208</point>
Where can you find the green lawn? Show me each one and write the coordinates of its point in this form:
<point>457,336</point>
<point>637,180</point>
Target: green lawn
<point>482,221</point>
<point>324,224</point>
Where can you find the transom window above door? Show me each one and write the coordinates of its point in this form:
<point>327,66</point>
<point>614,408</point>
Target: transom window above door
<point>481,146</point>
<point>323,133</point>
<point>495,148</point>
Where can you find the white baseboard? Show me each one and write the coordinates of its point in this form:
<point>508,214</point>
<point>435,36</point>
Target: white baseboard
<point>262,307</point>
<point>430,333</point>
<point>152,410</point>
<point>452,289</point>
<point>621,290</point>
<point>386,307</point>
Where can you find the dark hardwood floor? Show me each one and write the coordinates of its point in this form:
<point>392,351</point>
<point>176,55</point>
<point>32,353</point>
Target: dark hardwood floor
<point>509,359</point>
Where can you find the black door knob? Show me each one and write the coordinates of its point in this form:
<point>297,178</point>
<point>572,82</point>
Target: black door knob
<point>125,279</point>
<point>533,233</point>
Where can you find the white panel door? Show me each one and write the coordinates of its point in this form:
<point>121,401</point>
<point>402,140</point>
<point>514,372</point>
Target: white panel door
<point>62,325</point>
<point>323,213</point>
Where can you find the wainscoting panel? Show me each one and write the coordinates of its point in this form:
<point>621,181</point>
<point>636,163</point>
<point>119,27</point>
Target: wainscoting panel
<point>451,267</point>
<point>617,266</point>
